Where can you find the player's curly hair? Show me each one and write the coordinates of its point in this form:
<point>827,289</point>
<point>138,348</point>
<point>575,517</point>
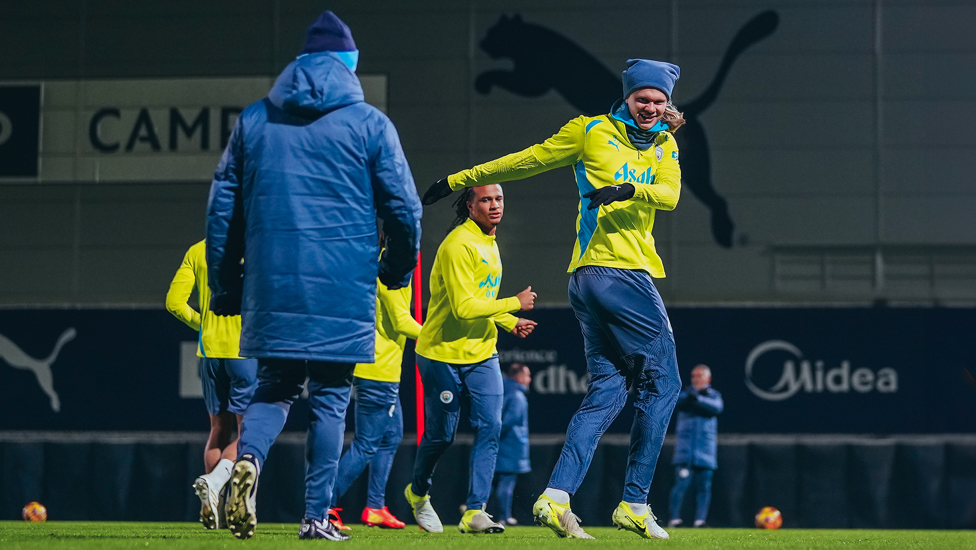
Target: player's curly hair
<point>461,207</point>
<point>672,117</point>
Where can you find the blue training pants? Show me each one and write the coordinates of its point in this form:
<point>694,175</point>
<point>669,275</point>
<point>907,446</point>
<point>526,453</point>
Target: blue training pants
<point>280,383</point>
<point>628,342</point>
<point>379,429</point>
<point>444,385</point>
<point>683,477</point>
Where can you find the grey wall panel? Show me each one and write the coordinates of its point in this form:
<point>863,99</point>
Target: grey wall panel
<point>923,123</point>
<point>836,172</point>
<point>179,38</point>
<point>929,76</point>
<point>927,219</point>
<point>41,275</point>
<point>929,170</point>
<point>928,27</point>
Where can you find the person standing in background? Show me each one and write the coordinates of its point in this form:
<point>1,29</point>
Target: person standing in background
<point>228,380</point>
<point>696,450</point>
<point>296,196</point>
<point>513,443</point>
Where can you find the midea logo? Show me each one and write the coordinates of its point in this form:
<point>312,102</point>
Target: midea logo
<point>802,374</point>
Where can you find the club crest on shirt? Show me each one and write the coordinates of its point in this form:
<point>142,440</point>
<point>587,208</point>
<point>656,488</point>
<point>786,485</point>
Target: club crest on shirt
<point>659,153</point>
<point>446,397</point>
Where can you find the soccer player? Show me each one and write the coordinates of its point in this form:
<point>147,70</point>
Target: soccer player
<point>379,418</point>
<point>696,450</point>
<point>296,196</point>
<point>457,357</point>
<point>626,168</point>
<point>228,379</point>
<point>513,444</point>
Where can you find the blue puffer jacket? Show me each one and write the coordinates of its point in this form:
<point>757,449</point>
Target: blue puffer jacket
<point>296,195</point>
<point>697,431</point>
<point>513,444</point>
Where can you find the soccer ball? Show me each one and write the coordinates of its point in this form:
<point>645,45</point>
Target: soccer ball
<point>34,512</point>
<point>769,518</point>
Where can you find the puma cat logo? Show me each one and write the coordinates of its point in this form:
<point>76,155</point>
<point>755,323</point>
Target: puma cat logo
<point>16,358</point>
<point>546,60</point>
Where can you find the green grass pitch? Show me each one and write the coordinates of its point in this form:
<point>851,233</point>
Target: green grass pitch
<point>70,535</point>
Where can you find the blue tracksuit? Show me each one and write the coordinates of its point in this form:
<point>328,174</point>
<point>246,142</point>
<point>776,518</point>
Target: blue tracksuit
<point>379,430</point>
<point>696,450</point>
<point>513,445</point>
<point>445,385</point>
<point>292,241</point>
<point>628,342</point>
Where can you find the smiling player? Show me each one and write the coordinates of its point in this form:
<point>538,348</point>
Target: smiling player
<point>626,168</point>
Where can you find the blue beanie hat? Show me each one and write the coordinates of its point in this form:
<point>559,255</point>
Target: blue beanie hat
<point>645,73</point>
<point>328,34</point>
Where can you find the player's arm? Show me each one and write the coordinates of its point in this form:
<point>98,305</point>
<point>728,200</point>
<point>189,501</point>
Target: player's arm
<point>562,149</point>
<point>179,293</point>
<point>664,192</point>
<point>459,282</point>
<point>225,229</point>
<point>711,403</point>
<point>396,305</point>
<point>397,204</point>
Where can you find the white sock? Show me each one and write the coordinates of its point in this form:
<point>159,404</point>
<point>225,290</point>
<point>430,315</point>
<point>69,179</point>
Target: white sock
<point>221,473</point>
<point>639,508</point>
<point>557,495</point>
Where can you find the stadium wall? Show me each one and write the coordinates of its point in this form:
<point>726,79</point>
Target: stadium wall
<point>816,481</point>
<point>840,139</point>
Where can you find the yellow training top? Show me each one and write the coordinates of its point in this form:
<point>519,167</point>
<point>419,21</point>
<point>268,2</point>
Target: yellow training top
<point>464,308</point>
<point>393,326</point>
<point>616,235</point>
<point>221,336</point>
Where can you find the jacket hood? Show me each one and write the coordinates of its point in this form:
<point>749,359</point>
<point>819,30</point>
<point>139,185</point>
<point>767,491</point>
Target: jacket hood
<point>315,84</point>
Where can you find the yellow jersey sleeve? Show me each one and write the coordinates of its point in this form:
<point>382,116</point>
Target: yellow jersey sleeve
<point>664,192</point>
<point>459,279</point>
<point>562,149</point>
<point>179,293</point>
<point>396,306</point>
<point>506,320</point>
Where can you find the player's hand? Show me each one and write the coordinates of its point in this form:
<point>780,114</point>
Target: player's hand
<point>609,194</point>
<point>526,299</point>
<point>524,327</point>
<point>437,192</point>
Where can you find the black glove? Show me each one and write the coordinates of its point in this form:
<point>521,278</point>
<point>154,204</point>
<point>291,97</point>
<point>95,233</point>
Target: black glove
<point>692,396</point>
<point>608,194</point>
<point>225,304</point>
<point>437,192</point>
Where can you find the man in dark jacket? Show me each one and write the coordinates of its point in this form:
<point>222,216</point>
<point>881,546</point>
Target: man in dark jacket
<point>513,443</point>
<point>695,453</point>
<point>292,247</point>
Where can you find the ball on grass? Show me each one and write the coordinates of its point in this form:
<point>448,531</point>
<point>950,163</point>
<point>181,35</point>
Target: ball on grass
<point>34,512</point>
<point>769,518</point>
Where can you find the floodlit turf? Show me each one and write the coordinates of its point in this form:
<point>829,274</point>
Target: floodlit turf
<point>68,535</point>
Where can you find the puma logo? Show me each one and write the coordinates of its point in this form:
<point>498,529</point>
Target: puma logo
<point>16,358</point>
<point>545,60</point>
